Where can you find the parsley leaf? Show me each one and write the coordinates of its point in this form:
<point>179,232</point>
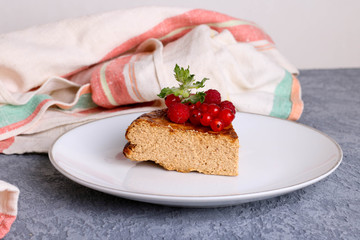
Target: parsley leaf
<point>194,98</point>
<point>186,83</point>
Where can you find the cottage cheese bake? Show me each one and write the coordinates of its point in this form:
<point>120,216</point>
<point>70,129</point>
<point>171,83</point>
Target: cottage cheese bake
<point>182,147</point>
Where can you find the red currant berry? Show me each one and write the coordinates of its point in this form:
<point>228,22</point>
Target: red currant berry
<point>178,113</point>
<point>205,119</point>
<point>204,107</point>
<point>212,96</point>
<point>227,116</point>
<point>217,125</point>
<point>171,99</point>
<point>195,116</point>
<point>213,109</point>
<point>198,104</point>
<point>228,104</point>
<point>192,106</point>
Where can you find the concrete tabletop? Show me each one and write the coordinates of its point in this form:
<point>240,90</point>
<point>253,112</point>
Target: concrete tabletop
<point>53,207</point>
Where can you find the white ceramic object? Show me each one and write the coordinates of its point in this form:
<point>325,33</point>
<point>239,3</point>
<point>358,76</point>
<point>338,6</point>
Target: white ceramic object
<point>276,157</point>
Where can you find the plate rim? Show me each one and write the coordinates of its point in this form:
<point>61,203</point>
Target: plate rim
<point>197,199</point>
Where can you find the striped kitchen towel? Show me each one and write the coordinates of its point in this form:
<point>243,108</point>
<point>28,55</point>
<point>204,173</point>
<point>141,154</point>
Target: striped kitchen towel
<point>57,76</point>
<point>9,195</point>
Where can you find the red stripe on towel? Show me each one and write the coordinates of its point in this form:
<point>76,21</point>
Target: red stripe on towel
<point>98,94</point>
<point>5,144</point>
<point>191,18</point>
<point>116,80</point>
<point>5,223</point>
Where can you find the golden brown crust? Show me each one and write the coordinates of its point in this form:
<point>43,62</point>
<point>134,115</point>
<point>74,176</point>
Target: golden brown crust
<point>127,150</point>
<point>159,118</point>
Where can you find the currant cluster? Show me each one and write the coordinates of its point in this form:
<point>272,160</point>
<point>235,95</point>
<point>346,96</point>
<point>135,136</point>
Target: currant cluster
<point>212,113</point>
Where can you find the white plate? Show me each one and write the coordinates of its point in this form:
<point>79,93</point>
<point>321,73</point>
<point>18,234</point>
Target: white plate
<point>276,157</point>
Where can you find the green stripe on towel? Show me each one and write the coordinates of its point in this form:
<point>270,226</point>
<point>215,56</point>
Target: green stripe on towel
<point>10,114</point>
<point>282,100</point>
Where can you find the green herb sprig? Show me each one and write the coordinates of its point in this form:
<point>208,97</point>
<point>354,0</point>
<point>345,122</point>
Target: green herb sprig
<point>186,84</point>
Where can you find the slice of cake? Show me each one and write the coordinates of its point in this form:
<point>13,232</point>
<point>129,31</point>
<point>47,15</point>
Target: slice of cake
<point>182,147</point>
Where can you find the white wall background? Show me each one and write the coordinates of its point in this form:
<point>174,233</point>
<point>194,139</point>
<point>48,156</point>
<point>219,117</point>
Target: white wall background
<point>310,33</point>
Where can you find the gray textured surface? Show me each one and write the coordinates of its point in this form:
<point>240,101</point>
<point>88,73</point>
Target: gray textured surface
<point>53,207</point>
